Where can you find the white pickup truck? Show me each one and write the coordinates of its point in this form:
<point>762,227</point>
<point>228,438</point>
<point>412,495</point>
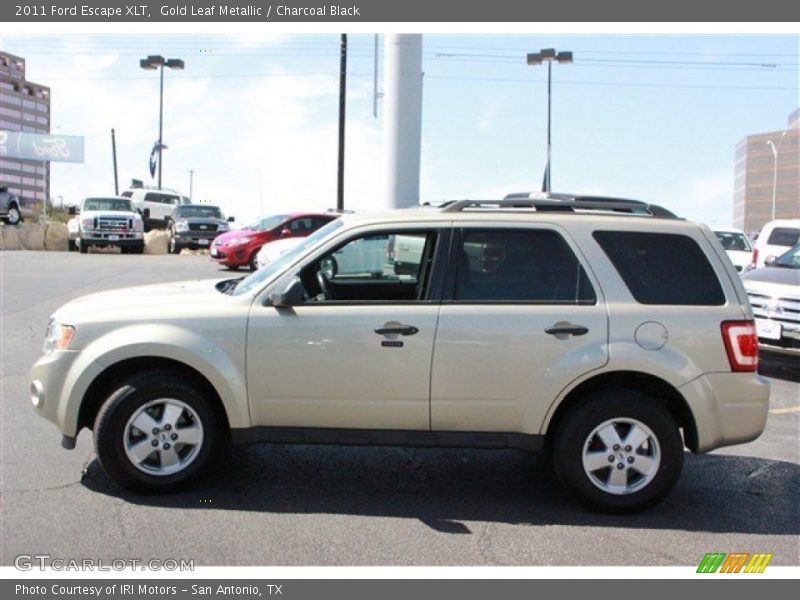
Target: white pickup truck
<point>108,221</point>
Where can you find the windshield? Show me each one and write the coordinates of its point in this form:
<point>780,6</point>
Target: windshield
<point>257,279</point>
<point>111,204</point>
<point>789,260</point>
<point>207,212</point>
<point>268,223</point>
<point>734,241</point>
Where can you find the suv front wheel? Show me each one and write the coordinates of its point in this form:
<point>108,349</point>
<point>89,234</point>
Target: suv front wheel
<point>619,452</point>
<point>156,431</point>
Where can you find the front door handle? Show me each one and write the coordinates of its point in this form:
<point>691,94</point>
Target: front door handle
<point>565,329</point>
<point>397,330</point>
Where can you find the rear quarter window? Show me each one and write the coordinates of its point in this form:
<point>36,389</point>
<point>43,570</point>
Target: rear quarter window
<point>662,268</point>
<point>784,236</point>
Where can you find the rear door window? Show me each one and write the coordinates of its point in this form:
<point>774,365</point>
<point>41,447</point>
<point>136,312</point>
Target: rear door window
<point>662,268</point>
<point>519,266</point>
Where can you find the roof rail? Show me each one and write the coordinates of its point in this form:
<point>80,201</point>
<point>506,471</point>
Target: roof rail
<point>564,203</point>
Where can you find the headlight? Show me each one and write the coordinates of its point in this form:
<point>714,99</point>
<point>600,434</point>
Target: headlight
<point>239,241</point>
<point>138,223</point>
<point>181,226</point>
<point>58,336</point>
<point>87,223</point>
<point>223,227</point>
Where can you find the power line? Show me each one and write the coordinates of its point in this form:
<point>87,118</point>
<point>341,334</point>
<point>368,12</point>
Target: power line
<point>615,83</point>
<point>441,77</point>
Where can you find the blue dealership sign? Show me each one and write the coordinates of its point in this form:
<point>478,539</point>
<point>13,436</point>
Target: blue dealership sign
<point>41,146</point>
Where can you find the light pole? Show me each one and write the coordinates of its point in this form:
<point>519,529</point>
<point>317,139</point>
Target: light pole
<point>159,62</point>
<point>549,55</point>
<point>771,144</point>
<point>191,183</point>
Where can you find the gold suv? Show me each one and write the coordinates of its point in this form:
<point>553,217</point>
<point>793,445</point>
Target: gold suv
<point>608,331</point>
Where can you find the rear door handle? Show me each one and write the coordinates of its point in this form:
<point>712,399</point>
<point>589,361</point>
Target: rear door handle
<point>566,329</point>
<point>397,330</point>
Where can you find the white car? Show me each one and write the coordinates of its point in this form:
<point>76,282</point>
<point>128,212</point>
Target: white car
<point>269,252</point>
<point>737,246</point>
<point>161,204</point>
<point>106,221</point>
<point>776,237</point>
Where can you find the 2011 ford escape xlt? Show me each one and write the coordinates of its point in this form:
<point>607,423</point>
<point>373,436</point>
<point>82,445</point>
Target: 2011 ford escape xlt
<point>608,330</point>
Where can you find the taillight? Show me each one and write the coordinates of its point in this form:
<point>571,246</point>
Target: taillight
<point>755,258</point>
<point>741,344</point>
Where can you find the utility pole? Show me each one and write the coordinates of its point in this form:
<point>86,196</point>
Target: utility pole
<point>342,106</point>
<point>191,182</point>
<point>402,119</point>
<point>549,55</point>
<point>114,157</point>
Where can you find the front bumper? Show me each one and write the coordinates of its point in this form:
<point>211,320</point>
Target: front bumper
<point>728,408</point>
<point>59,380</point>
<point>195,239</point>
<point>788,336</point>
<point>237,256</point>
<point>110,238</point>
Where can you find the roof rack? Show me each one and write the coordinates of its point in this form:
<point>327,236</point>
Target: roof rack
<point>549,202</point>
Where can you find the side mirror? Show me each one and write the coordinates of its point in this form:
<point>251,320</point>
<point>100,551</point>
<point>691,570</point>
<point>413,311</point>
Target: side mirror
<point>72,211</point>
<point>769,260</point>
<point>231,219</point>
<point>146,213</point>
<point>294,295</point>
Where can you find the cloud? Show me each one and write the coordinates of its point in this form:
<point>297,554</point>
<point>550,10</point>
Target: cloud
<point>256,144</point>
<point>705,199</point>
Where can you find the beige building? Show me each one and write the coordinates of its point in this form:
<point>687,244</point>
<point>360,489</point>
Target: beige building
<point>767,168</point>
<point>24,106</point>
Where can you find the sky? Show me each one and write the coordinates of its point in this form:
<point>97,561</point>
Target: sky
<point>653,117</point>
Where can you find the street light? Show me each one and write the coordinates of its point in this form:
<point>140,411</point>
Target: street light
<point>549,55</point>
<point>771,144</point>
<point>152,63</point>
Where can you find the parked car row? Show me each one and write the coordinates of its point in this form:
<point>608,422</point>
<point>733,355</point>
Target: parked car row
<point>775,238</point>
<point>774,293</point>
<point>770,270</point>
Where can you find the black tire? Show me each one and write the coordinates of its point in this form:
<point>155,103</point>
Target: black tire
<point>138,249</point>
<point>83,247</point>
<point>573,436</point>
<point>253,262</point>
<point>71,246</point>
<point>14,215</point>
<point>174,247</point>
<point>131,395</point>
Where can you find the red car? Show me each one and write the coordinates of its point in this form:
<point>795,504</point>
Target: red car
<point>239,248</point>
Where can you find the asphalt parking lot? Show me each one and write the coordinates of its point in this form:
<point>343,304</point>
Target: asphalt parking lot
<point>298,505</point>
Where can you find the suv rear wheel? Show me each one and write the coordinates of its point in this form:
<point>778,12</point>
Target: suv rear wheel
<point>619,452</point>
<point>156,431</point>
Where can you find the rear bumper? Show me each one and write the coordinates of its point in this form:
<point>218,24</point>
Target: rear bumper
<point>728,408</point>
